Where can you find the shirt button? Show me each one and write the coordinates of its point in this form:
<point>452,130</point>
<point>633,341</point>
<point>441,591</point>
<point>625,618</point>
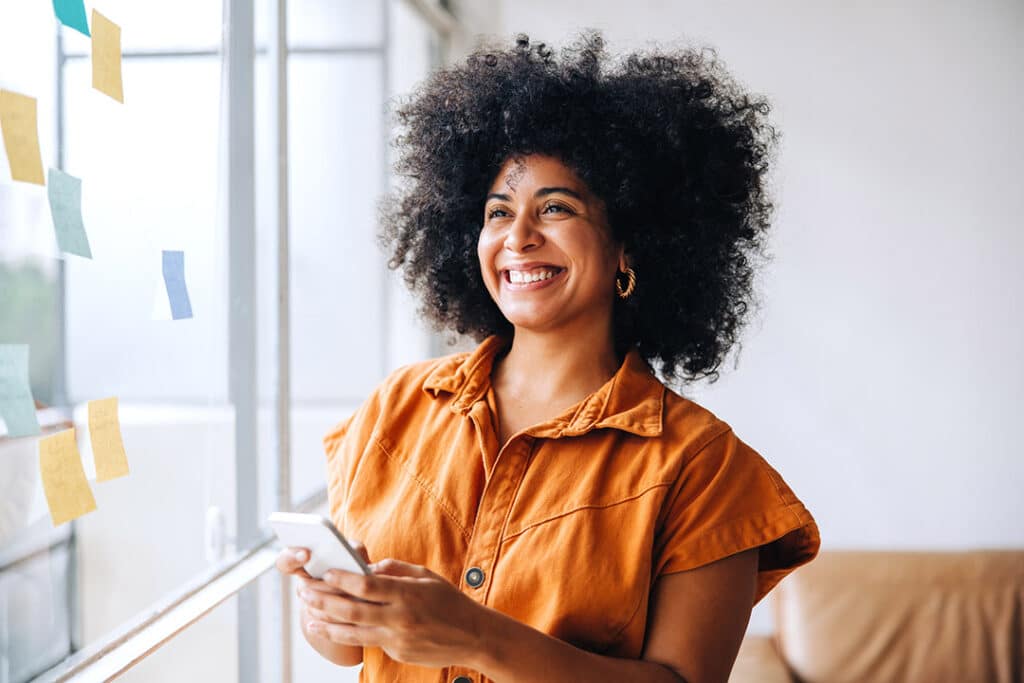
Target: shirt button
<point>474,577</point>
<point>462,679</point>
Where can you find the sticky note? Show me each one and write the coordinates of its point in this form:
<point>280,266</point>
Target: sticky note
<point>65,193</point>
<point>60,467</point>
<point>105,436</point>
<point>21,136</point>
<point>174,280</point>
<point>16,405</point>
<point>71,13</point>
<point>106,57</point>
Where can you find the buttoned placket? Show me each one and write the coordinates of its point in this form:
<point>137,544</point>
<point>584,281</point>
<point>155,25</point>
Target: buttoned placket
<point>507,471</point>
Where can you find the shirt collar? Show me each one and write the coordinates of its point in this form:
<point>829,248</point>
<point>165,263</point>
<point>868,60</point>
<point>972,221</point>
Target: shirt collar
<point>632,400</point>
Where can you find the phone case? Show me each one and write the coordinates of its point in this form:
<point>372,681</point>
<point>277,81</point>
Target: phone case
<point>328,549</point>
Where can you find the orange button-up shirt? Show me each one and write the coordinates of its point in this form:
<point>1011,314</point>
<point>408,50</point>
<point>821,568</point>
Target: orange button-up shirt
<point>568,526</point>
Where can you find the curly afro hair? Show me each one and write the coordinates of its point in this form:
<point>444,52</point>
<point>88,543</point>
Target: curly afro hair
<point>672,145</point>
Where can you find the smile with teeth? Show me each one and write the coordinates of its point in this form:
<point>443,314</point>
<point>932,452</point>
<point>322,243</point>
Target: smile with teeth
<point>533,275</point>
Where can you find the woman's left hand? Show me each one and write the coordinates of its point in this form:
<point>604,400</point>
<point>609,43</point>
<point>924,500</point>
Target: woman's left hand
<point>415,616</point>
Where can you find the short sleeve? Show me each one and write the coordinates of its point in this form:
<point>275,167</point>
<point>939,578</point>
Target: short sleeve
<point>344,446</point>
<point>727,499</point>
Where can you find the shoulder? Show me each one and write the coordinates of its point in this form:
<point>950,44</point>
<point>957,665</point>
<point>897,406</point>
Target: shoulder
<point>690,427</point>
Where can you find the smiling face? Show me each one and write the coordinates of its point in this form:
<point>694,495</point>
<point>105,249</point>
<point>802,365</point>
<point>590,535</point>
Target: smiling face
<point>545,250</point>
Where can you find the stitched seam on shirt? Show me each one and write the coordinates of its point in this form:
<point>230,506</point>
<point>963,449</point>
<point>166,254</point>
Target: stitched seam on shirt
<point>778,490</point>
<point>773,518</point>
<point>587,507</point>
<point>629,621</point>
<point>700,449</point>
<point>429,491</point>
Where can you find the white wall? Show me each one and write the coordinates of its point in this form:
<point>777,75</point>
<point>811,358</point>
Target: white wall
<point>883,376</point>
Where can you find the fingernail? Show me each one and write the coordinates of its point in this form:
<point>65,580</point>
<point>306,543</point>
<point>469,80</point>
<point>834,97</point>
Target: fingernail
<point>301,556</point>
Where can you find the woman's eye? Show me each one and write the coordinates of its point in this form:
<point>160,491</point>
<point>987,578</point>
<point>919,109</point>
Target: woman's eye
<point>557,206</point>
<point>493,212</point>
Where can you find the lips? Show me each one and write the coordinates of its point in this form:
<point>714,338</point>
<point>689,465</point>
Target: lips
<point>534,278</point>
<point>526,276</point>
<point>527,270</point>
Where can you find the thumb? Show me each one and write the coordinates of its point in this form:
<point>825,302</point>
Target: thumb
<point>359,548</point>
<point>392,567</point>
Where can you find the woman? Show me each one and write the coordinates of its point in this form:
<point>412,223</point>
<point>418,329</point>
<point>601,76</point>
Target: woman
<point>543,508</point>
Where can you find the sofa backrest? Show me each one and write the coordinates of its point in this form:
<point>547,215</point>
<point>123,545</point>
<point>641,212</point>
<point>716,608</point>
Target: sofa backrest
<point>885,616</point>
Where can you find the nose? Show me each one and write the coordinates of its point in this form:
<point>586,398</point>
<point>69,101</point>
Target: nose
<point>522,234</point>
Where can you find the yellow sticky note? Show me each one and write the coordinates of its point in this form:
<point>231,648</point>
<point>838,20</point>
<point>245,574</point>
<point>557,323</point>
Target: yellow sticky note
<point>106,57</point>
<point>21,136</point>
<point>105,437</point>
<point>60,465</point>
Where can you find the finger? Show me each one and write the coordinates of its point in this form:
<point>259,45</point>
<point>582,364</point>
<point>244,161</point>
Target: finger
<point>393,567</point>
<point>314,614</point>
<point>345,634</point>
<point>360,549</point>
<point>317,585</point>
<point>368,587</point>
<point>290,560</point>
<point>344,609</point>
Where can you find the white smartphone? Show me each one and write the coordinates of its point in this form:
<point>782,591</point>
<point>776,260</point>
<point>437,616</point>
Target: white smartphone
<point>328,549</point>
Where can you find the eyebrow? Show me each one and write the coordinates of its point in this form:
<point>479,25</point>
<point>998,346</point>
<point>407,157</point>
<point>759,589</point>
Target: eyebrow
<point>542,192</point>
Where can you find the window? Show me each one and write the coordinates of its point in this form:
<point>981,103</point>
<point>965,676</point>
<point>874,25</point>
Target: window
<point>158,174</point>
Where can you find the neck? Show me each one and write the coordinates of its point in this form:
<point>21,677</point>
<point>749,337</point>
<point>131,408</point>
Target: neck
<point>557,367</point>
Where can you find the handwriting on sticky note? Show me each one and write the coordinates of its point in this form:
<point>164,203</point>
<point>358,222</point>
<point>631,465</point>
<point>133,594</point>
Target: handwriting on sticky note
<point>21,136</point>
<point>16,405</point>
<point>60,467</point>
<point>71,13</point>
<point>106,57</point>
<point>65,192</point>
<point>105,437</point>
<point>174,280</point>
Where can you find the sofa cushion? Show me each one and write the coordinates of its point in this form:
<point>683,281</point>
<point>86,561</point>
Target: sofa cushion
<point>759,661</point>
<point>904,616</point>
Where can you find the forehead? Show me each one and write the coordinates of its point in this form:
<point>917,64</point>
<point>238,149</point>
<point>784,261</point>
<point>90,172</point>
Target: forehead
<point>535,170</point>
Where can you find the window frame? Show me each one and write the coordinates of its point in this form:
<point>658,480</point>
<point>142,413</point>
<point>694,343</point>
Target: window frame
<point>237,575</point>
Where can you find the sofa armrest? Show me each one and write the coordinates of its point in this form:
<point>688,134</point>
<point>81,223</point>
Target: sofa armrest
<point>759,661</point>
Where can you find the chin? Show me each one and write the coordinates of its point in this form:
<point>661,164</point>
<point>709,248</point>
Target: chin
<point>525,321</point>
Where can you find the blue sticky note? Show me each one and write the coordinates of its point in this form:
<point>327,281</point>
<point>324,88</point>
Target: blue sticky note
<point>71,13</point>
<point>174,278</point>
<point>65,193</point>
<point>16,405</point>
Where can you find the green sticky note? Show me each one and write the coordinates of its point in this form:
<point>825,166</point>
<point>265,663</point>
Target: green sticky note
<point>71,13</point>
<point>17,408</point>
<point>65,192</point>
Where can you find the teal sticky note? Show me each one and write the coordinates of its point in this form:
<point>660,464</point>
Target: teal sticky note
<point>65,193</point>
<point>71,13</point>
<point>17,408</point>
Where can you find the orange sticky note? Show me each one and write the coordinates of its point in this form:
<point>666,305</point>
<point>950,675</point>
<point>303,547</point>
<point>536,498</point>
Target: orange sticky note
<point>67,492</point>
<point>105,437</point>
<point>21,136</point>
<point>106,57</point>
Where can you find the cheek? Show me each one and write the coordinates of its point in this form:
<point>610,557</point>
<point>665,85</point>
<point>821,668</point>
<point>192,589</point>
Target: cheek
<point>485,253</point>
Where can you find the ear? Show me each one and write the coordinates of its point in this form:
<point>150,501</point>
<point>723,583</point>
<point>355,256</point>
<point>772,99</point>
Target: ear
<point>623,259</point>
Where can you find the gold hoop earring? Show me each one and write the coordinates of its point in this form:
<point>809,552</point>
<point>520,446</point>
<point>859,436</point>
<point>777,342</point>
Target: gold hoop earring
<point>630,285</point>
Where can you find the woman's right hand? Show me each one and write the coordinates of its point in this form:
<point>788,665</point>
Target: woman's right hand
<point>290,562</point>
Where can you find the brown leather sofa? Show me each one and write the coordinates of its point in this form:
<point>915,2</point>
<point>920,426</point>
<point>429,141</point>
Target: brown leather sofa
<point>907,617</point>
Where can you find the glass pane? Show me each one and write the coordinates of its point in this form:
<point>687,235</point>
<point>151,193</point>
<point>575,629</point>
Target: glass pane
<point>149,183</point>
<point>149,26</point>
<point>29,305</point>
<point>36,575</point>
<point>313,23</point>
<point>337,270</point>
<point>205,651</point>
